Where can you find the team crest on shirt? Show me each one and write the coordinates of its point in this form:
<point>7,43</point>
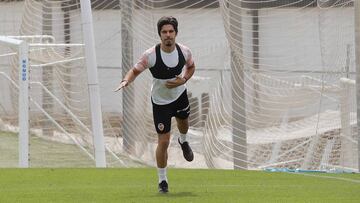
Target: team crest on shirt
<point>160,126</point>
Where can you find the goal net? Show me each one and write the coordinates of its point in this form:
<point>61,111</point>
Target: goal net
<point>273,88</point>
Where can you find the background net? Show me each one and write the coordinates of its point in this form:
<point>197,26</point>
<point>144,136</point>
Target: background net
<point>273,87</point>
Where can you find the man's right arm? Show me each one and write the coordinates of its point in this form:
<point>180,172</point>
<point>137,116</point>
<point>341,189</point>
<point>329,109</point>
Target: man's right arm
<point>143,63</point>
<point>131,75</point>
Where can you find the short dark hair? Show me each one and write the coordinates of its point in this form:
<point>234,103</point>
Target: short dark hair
<point>165,20</point>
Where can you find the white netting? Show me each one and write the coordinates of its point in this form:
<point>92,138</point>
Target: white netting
<point>267,91</point>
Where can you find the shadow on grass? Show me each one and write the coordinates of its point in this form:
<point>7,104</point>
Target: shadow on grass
<point>167,195</point>
<point>176,194</point>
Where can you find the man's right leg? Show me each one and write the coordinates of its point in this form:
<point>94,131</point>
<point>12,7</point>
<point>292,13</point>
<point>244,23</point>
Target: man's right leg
<point>161,150</point>
<point>162,122</point>
<point>161,160</point>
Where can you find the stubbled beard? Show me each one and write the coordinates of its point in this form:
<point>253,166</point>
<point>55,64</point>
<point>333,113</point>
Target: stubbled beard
<point>168,44</point>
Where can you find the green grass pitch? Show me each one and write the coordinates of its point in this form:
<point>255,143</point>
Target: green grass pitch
<point>185,185</point>
<point>140,184</point>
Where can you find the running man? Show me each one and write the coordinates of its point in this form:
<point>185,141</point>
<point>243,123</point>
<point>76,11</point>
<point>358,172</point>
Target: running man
<point>171,65</point>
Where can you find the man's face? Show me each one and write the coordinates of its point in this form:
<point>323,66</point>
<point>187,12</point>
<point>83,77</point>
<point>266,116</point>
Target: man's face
<point>167,35</point>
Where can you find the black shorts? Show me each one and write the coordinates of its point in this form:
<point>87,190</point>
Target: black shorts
<point>162,114</point>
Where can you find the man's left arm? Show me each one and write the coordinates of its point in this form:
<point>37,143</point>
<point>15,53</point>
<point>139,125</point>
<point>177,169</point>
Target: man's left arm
<point>180,80</point>
<point>189,72</point>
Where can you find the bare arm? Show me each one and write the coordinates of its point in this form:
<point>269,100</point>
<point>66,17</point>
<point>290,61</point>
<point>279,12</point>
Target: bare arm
<point>129,77</point>
<point>189,72</point>
<point>180,80</point>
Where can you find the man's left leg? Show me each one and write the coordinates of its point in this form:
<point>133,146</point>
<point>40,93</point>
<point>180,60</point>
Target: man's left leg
<point>183,126</point>
<point>161,160</point>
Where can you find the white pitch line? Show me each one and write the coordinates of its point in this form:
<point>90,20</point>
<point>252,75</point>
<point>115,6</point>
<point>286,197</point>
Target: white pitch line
<point>330,177</point>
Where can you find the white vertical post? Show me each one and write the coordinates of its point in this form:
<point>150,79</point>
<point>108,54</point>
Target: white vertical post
<point>23,105</point>
<point>357,58</point>
<point>23,113</point>
<point>238,87</point>
<point>128,96</point>
<point>93,84</point>
<point>347,156</point>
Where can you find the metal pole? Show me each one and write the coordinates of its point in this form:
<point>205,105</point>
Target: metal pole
<point>23,105</point>
<point>128,99</point>
<point>238,89</point>
<point>256,50</point>
<point>93,84</point>
<point>23,102</point>
<point>47,71</point>
<point>357,58</point>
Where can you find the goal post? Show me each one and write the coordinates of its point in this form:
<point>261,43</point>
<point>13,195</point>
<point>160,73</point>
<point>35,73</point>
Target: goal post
<point>22,51</point>
<point>23,67</point>
<point>63,93</point>
<point>93,83</point>
<point>357,59</point>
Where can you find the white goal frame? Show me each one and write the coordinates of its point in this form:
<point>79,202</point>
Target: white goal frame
<point>93,86</point>
<point>22,47</point>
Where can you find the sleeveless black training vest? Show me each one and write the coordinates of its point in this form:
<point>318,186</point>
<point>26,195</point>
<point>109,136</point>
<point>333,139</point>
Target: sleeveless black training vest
<point>161,71</point>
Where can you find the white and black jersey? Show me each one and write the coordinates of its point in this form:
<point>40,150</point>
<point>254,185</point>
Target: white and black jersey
<point>165,66</point>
